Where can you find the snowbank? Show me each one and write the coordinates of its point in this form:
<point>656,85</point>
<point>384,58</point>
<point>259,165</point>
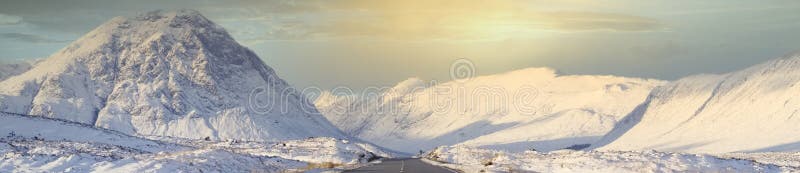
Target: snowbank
<point>26,155</point>
<point>35,144</point>
<point>477,160</point>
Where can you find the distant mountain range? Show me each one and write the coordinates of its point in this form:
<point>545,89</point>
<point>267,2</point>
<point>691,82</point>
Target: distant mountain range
<point>752,110</point>
<point>559,111</point>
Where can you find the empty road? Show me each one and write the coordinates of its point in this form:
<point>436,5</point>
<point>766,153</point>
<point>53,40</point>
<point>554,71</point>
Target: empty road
<point>403,165</point>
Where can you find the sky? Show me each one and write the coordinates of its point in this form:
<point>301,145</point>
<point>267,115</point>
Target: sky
<point>363,43</point>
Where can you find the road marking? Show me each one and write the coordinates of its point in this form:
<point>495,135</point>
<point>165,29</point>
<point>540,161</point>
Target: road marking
<point>402,165</point>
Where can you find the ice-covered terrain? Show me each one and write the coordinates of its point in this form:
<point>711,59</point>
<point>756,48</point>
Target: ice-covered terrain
<point>12,125</point>
<point>165,73</point>
<point>314,150</point>
<point>525,109</point>
<point>30,155</point>
<point>483,160</point>
<point>752,110</point>
<point>36,144</point>
<point>789,159</point>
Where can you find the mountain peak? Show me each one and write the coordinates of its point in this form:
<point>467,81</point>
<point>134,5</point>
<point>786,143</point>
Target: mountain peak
<point>177,18</point>
<point>157,14</point>
<point>163,73</point>
<point>164,29</point>
<point>160,20</point>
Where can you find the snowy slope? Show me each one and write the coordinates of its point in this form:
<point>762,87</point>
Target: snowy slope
<point>164,73</point>
<point>755,109</point>
<point>12,125</point>
<point>27,155</point>
<point>526,109</point>
<point>36,144</point>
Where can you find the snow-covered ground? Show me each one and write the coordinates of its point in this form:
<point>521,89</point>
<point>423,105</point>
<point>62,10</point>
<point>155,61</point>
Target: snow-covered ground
<point>29,155</point>
<point>36,144</point>
<point>791,159</point>
<point>317,150</point>
<point>12,125</point>
<point>470,159</point>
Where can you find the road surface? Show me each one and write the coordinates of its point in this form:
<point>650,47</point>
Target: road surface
<point>403,165</point>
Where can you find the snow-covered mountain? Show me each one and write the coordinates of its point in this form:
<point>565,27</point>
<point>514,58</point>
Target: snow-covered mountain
<point>520,110</point>
<point>755,109</point>
<point>165,73</point>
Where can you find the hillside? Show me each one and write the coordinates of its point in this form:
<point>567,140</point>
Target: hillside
<point>752,110</point>
<point>520,110</point>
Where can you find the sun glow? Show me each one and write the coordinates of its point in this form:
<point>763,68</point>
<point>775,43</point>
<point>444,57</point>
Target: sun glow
<point>455,20</point>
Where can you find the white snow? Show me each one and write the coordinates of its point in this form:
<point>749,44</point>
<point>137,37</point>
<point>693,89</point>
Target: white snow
<point>56,156</point>
<point>482,160</point>
<point>51,129</point>
<point>314,150</point>
<point>165,73</point>
<point>165,91</point>
<point>34,144</point>
<point>489,111</point>
<point>752,110</point>
<point>789,159</point>
<point>170,91</point>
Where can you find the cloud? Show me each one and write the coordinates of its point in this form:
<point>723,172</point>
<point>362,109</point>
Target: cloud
<point>447,20</point>
<point>30,38</point>
<point>10,19</point>
<point>466,26</point>
<point>322,19</point>
<point>583,21</point>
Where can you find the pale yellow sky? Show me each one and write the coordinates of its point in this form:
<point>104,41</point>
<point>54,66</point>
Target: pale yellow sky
<point>361,43</point>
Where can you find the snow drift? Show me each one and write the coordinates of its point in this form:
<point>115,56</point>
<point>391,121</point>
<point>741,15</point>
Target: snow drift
<point>476,160</point>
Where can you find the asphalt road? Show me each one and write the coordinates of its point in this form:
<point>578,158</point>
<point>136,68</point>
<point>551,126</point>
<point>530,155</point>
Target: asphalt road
<point>403,165</point>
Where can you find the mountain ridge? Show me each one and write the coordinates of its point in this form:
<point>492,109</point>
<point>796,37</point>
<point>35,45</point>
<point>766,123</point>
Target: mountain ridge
<point>407,121</point>
<point>742,111</point>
